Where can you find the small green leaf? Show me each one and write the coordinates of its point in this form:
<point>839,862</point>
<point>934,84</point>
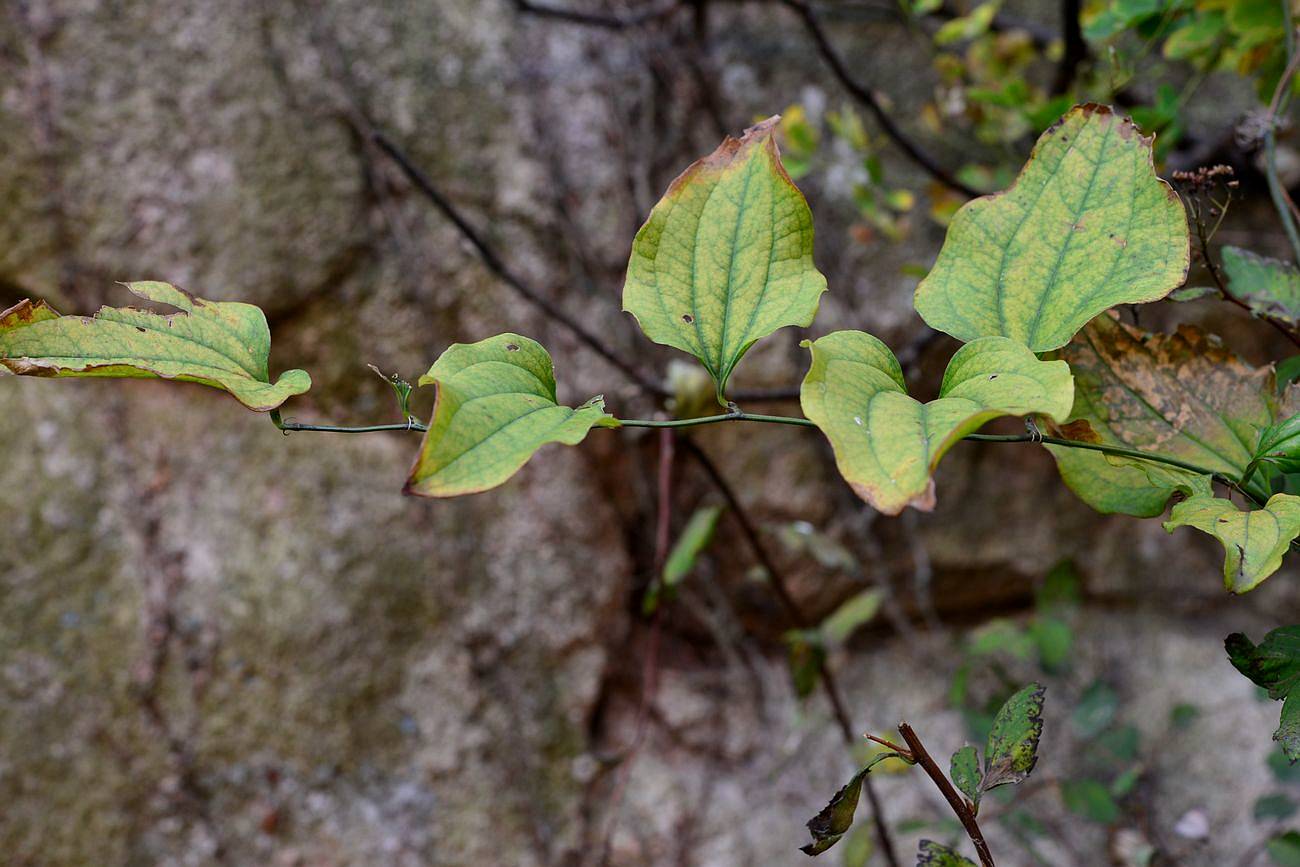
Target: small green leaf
<point>887,444</point>
<point>1055,641</point>
<point>1012,749</point>
<point>965,773</point>
<point>1270,807</point>
<point>401,389</point>
<point>1284,849</point>
<point>726,256</point>
<point>1288,371</point>
<point>1274,665</point>
<point>1254,542</point>
<point>1279,445</point>
<point>695,537</point>
<point>1192,293</point>
<point>1284,769</point>
<point>495,408</point>
<point>1091,800</point>
<point>807,654</point>
<point>854,613</point>
<point>222,344</point>
<point>833,822</point>
<point>1096,709</point>
<point>1181,395</point>
<point>1270,287</point>
<point>932,854</point>
<point>1183,715</point>
<point>1086,226</point>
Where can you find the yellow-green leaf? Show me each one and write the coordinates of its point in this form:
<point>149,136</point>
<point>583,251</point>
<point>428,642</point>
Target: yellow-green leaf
<point>1254,542</point>
<point>887,444</point>
<point>1086,226</point>
<point>1181,395</point>
<point>221,344</point>
<point>496,406</point>
<point>726,256</point>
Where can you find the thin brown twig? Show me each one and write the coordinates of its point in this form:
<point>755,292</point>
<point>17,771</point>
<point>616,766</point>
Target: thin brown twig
<point>1278,191</point>
<point>868,99</point>
<point>494,263</point>
<point>1203,242</point>
<point>1075,51</point>
<point>959,805</point>
<point>606,20</point>
<point>650,666</point>
<point>779,586</point>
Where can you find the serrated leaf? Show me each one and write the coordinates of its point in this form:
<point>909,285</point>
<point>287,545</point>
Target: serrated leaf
<point>221,344</point>
<point>694,538</point>
<point>835,819</point>
<point>496,406</point>
<point>1270,287</point>
<point>1086,226</point>
<point>726,256</point>
<point>1274,665</point>
<point>887,444</point>
<point>1254,542</point>
<point>932,854</point>
<point>1012,749</point>
<point>1181,395</point>
<point>965,773</point>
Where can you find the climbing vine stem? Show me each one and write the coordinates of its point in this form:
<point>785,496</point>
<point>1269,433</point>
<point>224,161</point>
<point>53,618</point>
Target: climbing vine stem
<point>412,424</point>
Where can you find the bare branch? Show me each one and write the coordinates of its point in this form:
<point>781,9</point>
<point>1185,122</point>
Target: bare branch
<point>777,580</point>
<point>864,96</point>
<point>494,264</point>
<point>1076,50</point>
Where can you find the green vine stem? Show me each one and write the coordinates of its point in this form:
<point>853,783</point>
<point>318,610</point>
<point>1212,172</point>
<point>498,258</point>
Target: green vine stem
<point>1281,98</point>
<point>412,424</point>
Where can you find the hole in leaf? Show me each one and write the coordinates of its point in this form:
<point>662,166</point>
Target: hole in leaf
<point>510,347</point>
<point>992,376</point>
<point>688,318</point>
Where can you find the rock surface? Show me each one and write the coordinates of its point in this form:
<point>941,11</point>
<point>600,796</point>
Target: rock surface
<point>220,645</point>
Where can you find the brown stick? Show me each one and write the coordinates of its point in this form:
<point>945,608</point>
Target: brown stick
<point>959,805</point>
<point>1076,49</point>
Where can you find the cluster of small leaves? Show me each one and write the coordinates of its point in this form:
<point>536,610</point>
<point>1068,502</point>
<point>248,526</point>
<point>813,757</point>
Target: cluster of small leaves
<point>1246,37</point>
<point>1040,646</point>
<point>1009,758</point>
